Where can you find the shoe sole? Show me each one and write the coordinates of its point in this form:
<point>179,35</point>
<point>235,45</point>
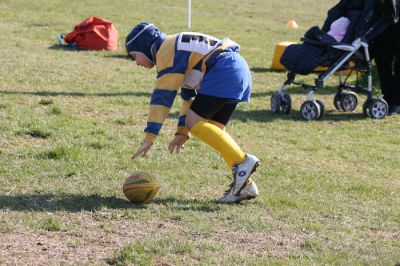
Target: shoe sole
<point>248,198</point>
<point>244,183</point>
<point>237,201</point>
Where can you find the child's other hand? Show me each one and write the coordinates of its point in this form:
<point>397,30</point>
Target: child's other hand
<point>177,143</point>
<point>144,148</point>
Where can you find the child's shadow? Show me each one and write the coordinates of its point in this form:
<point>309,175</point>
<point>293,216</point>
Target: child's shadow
<point>93,202</point>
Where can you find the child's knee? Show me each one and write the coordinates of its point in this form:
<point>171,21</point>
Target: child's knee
<point>191,119</point>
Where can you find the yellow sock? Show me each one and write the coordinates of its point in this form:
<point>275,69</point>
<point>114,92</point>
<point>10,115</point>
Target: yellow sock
<point>220,141</point>
<point>229,163</point>
<point>228,160</point>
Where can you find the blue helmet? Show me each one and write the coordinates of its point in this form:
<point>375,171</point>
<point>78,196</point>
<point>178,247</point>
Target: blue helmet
<point>141,39</point>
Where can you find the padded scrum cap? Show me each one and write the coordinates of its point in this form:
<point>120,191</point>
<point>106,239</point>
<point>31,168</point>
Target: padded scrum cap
<point>141,38</point>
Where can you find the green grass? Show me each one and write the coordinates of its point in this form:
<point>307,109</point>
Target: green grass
<point>46,101</point>
<point>51,224</point>
<point>70,121</point>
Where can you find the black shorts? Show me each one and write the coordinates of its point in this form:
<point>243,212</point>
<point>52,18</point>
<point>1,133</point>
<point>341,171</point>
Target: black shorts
<point>213,108</point>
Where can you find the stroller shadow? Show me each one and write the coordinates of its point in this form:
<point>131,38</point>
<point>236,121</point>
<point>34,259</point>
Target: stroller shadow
<point>265,116</point>
<point>265,70</point>
<point>77,203</point>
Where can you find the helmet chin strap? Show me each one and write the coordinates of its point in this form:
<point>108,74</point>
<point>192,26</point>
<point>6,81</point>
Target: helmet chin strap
<point>153,53</point>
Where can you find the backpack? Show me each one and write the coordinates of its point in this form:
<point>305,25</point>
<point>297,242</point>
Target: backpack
<point>93,34</point>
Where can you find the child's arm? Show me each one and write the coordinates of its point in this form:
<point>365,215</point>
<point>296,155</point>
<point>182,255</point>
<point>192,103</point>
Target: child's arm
<point>160,105</point>
<point>173,67</point>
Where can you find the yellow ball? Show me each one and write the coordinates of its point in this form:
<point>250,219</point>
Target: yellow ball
<point>141,187</point>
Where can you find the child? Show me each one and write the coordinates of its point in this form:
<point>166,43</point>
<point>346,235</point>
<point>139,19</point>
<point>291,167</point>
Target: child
<point>197,61</point>
<point>339,28</point>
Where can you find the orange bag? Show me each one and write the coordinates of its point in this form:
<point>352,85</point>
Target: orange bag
<point>94,34</point>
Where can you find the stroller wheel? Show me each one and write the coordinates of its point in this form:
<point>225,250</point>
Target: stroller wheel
<point>366,108</point>
<point>378,108</point>
<point>275,103</point>
<point>336,100</point>
<point>310,110</point>
<point>348,101</point>
<point>286,104</point>
<point>322,109</point>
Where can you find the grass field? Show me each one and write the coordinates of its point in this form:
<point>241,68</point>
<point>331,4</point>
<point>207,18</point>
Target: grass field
<point>70,121</point>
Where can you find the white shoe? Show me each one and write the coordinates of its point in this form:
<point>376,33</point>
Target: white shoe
<point>242,172</point>
<point>248,192</point>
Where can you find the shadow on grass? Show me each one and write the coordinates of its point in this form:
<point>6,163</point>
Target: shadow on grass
<point>267,116</point>
<point>188,204</point>
<point>77,203</point>
<point>290,90</point>
<point>74,48</point>
<point>297,91</point>
<point>119,56</point>
<point>78,94</point>
<point>267,94</point>
<point>258,115</point>
<point>265,70</point>
<point>64,48</point>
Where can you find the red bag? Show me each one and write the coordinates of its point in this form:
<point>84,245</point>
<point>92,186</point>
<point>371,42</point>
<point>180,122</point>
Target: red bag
<point>94,34</point>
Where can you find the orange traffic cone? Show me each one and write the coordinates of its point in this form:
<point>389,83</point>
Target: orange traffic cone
<point>292,24</point>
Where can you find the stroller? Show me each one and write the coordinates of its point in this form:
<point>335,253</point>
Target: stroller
<point>367,20</point>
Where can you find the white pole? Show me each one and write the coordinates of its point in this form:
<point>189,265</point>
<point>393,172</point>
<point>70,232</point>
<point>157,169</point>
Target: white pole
<point>189,13</point>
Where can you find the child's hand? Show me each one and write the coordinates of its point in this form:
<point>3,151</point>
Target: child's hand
<point>177,143</point>
<point>144,148</point>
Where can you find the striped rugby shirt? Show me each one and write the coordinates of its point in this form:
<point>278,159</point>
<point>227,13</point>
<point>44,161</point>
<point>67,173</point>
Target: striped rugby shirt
<point>182,60</point>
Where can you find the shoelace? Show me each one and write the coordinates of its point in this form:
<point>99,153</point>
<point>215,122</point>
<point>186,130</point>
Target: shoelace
<point>234,169</point>
<point>230,187</point>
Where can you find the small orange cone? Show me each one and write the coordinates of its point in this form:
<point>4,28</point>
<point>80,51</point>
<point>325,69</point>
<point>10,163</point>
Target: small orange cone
<point>292,24</point>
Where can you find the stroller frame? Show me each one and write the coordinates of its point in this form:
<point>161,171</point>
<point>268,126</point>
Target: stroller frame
<point>345,97</point>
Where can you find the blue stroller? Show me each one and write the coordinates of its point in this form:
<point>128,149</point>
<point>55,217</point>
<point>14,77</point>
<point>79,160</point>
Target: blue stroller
<point>368,19</point>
